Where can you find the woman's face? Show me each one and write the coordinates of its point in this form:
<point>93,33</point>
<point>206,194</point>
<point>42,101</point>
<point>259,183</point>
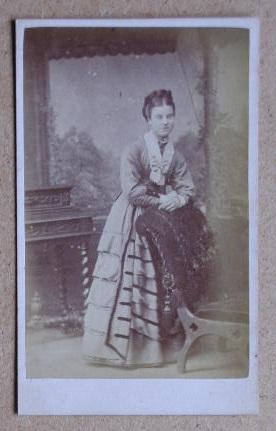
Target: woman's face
<point>162,120</point>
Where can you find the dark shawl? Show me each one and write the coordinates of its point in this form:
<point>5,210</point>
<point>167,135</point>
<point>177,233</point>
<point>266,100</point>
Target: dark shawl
<point>182,247</point>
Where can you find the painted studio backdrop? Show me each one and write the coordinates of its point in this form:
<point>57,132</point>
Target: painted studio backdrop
<point>83,95</point>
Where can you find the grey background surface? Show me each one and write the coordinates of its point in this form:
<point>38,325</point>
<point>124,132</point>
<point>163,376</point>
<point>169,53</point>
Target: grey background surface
<point>266,10</point>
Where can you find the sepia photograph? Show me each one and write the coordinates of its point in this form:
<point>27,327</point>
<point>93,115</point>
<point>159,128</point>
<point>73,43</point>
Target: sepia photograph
<point>135,201</point>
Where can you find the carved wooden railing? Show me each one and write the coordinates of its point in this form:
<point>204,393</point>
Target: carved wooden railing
<point>54,231</point>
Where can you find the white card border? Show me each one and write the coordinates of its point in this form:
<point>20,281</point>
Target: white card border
<point>141,396</point>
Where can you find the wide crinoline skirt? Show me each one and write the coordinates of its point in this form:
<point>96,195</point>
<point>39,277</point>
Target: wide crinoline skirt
<point>121,322</point>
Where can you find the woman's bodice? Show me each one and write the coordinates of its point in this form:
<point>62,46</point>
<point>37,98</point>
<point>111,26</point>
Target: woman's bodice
<point>136,172</point>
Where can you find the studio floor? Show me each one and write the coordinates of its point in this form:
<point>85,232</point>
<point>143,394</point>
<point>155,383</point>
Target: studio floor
<point>51,355</point>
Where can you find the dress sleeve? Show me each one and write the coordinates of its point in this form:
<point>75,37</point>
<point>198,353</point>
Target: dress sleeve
<point>181,179</point>
<point>133,181</point>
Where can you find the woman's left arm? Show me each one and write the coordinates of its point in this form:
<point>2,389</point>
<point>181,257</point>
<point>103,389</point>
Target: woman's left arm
<point>181,179</point>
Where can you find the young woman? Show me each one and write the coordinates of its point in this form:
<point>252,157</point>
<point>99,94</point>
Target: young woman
<point>122,324</point>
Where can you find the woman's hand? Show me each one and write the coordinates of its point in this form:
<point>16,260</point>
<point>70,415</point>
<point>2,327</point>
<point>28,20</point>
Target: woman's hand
<point>169,202</point>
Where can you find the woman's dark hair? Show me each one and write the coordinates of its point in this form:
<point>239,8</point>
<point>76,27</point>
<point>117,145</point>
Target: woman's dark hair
<point>157,98</point>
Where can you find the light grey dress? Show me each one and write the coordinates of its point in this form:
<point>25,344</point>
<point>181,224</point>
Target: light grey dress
<point>121,322</point>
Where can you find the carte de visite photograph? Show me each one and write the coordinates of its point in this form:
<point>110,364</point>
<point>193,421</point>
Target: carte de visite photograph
<point>134,155</point>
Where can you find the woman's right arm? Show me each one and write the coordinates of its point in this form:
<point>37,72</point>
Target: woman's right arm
<point>132,178</point>
<point>139,197</point>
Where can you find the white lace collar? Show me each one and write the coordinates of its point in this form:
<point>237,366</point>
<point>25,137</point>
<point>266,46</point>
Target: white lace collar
<point>159,164</point>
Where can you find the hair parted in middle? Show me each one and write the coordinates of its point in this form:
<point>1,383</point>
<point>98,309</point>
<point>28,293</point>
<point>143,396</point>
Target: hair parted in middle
<point>157,98</point>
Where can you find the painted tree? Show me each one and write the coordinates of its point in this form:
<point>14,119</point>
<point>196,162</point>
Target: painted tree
<point>79,163</point>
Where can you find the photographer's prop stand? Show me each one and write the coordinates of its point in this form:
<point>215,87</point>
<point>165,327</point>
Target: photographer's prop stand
<point>196,327</point>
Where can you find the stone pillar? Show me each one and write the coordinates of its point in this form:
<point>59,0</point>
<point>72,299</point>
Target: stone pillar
<point>227,141</point>
<point>36,94</point>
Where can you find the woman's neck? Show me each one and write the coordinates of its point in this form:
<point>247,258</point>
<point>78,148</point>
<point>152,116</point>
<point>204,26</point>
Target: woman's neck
<point>162,140</point>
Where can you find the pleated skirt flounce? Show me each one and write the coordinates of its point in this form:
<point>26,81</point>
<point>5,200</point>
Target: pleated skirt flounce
<point>121,323</point>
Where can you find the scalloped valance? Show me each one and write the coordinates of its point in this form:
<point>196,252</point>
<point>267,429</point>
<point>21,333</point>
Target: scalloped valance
<point>71,42</point>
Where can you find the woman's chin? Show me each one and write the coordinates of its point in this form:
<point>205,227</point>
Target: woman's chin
<point>164,134</point>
